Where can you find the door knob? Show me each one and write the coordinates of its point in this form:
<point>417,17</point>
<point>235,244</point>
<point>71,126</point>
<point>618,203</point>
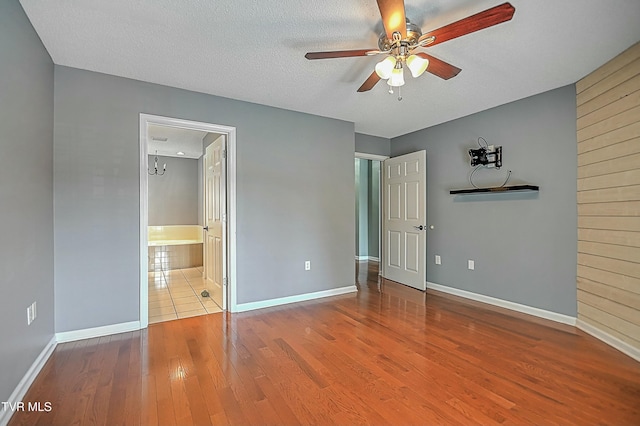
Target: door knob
<point>206,228</point>
<point>420,228</point>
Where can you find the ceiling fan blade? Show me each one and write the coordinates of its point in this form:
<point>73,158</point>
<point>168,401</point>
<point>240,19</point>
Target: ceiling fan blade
<point>439,67</point>
<point>339,54</point>
<point>393,17</point>
<point>369,83</point>
<point>477,22</point>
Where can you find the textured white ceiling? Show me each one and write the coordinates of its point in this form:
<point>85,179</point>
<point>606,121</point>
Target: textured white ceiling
<point>253,50</point>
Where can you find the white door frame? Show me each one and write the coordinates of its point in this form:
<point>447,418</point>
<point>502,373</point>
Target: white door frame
<point>380,158</point>
<point>230,132</point>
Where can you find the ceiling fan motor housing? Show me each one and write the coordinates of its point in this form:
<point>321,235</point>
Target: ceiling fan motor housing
<point>413,34</point>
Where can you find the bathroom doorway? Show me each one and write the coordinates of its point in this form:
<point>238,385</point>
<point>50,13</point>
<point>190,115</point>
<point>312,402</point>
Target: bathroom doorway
<point>173,275</point>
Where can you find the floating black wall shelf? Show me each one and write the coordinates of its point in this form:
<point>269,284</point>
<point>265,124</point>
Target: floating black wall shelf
<point>511,188</point>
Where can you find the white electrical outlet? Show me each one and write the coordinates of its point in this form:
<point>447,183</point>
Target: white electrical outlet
<point>471,265</point>
<point>32,313</point>
<point>307,265</point>
<point>438,260</point>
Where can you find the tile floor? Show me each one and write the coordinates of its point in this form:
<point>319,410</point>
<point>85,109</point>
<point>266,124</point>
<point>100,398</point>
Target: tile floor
<point>175,294</point>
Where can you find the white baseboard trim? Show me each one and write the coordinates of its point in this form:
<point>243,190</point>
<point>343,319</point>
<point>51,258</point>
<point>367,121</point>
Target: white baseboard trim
<point>537,312</point>
<point>610,340</point>
<point>243,307</point>
<point>24,384</point>
<point>371,258</point>
<point>89,333</point>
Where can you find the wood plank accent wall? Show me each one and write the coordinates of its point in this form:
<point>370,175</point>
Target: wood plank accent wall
<point>608,124</point>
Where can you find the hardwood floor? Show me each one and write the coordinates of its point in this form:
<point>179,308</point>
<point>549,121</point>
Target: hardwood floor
<point>386,355</point>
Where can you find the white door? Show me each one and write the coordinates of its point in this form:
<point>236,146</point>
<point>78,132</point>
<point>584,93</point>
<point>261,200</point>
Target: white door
<point>404,219</point>
<point>215,230</point>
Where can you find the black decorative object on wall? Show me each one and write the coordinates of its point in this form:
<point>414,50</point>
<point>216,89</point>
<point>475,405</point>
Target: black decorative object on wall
<point>488,156</point>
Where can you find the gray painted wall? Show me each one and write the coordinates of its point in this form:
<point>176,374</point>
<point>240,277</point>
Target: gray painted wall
<point>372,144</point>
<point>289,207</point>
<point>523,244</point>
<point>26,195</point>
<point>173,197</point>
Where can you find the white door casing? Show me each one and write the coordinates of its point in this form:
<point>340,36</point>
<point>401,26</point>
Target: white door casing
<point>380,159</point>
<point>404,219</point>
<point>230,132</point>
<point>215,232</point>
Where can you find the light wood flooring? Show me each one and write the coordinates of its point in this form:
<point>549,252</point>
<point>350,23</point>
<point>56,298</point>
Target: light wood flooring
<point>386,355</point>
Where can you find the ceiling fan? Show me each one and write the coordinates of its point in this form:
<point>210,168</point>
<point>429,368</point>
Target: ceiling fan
<point>401,38</point>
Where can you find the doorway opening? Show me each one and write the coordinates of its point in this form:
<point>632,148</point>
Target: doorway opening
<point>368,207</point>
<point>188,277</point>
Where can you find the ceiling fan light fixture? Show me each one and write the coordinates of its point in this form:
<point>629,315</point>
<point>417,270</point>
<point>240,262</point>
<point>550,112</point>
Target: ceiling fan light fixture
<point>399,39</point>
<point>385,67</point>
<point>417,65</point>
<point>397,77</point>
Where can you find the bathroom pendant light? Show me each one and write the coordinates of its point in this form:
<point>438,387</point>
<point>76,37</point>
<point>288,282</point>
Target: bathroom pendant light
<point>155,167</point>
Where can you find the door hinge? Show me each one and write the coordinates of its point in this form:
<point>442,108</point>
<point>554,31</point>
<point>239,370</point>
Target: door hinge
<point>224,281</point>
<point>224,217</point>
<point>224,153</point>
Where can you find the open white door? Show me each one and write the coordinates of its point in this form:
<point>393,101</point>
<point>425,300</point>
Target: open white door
<point>215,229</point>
<point>404,219</point>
